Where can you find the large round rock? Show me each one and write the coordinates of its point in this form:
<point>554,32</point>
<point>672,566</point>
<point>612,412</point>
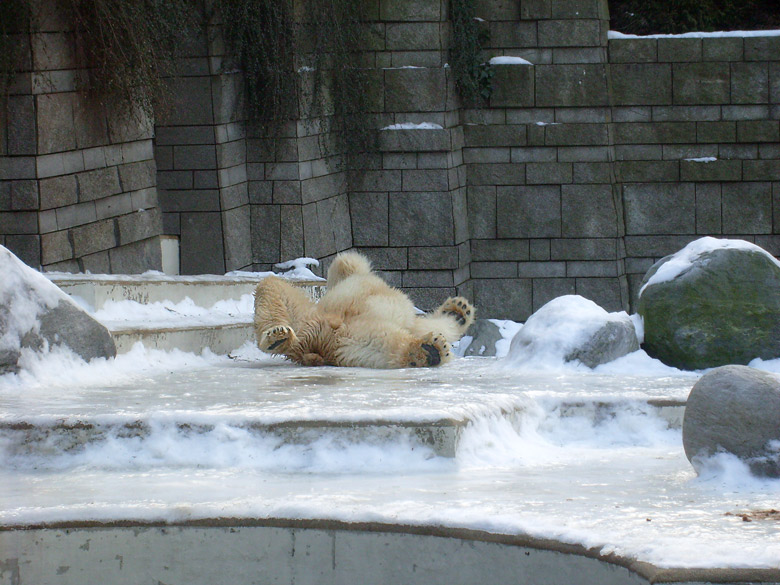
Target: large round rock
<point>735,409</point>
<point>715,302</point>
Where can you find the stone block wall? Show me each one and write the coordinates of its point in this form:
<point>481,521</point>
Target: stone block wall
<point>77,183</point>
<point>595,156</point>
<point>697,142</point>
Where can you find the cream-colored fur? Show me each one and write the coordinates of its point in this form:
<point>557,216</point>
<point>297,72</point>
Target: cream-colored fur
<point>360,321</point>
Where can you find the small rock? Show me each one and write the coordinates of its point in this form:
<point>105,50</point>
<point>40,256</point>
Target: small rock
<point>735,409</point>
<point>484,335</point>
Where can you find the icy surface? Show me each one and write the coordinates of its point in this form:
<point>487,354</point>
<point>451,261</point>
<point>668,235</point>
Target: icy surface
<point>562,467</point>
<point>682,260</point>
<point>413,126</point>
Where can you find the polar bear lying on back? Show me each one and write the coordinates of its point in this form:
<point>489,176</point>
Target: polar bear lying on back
<point>360,321</point>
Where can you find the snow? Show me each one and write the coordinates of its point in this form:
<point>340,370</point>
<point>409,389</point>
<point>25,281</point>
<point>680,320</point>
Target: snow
<point>413,126</point>
<point>561,452</point>
<point>698,35</point>
<point>702,159</point>
<point>506,60</point>
<point>298,269</point>
<point>682,260</point>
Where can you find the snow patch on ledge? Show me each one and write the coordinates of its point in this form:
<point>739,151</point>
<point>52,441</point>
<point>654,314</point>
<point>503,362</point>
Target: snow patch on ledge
<point>702,159</point>
<point>413,126</point>
<point>505,60</point>
<point>613,34</point>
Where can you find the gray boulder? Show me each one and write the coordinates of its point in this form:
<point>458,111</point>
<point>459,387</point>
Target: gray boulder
<point>715,302</point>
<point>735,409</point>
<point>35,314</point>
<point>483,334</point>
<point>573,328</point>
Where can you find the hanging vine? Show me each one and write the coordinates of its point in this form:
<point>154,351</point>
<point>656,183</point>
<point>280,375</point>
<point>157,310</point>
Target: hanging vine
<point>14,26</point>
<point>473,77</point>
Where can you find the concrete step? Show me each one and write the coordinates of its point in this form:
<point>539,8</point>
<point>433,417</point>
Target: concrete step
<point>203,290</point>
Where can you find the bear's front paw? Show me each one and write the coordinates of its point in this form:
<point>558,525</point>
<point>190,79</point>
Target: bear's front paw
<point>429,351</point>
<point>459,309</point>
<point>276,339</point>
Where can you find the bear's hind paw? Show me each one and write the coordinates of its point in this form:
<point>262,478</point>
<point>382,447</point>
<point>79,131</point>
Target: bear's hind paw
<point>276,339</point>
<point>431,350</point>
<point>459,309</point>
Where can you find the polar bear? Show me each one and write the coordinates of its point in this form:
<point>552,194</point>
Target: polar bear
<point>360,321</point>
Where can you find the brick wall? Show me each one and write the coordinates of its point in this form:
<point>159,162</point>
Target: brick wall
<point>77,184</point>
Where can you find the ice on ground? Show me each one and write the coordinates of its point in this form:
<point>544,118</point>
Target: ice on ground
<point>682,260</point>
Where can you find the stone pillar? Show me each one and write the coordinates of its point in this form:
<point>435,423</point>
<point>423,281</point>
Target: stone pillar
<point>77,181</point>
<point>545,215</point>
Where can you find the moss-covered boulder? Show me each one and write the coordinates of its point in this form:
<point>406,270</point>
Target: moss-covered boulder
<point>715,302</point>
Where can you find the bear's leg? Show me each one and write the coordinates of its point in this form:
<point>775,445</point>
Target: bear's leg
<point>459,309</point>
<point>381,345</point>
<point>280,310</point>
<point>431,350</point>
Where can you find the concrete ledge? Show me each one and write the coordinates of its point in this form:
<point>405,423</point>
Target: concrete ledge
<point>220,339</point>
<point>280,550</point>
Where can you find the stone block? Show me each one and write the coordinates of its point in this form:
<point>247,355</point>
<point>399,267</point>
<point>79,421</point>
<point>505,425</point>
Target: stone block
<point>413,36</point>
<point>282,171</point>
<point>738,151</point>
<point>552,173</point>
<point>192,102</point>
<point>761,170</point>
<point>410,10</point>
<point>27,248</point>
<point>606,292</point>
<point>504,298</point>
<point>541,269</point>
<point>423,140</point>
<point>375,180</point>
<point>415,90</point>
<point>74,215</point>
<point>513,86</point>
<point>529,212</point>
<point>493,269</point>
<point>318,188</point>
<point>230,154</point>
<point>598,172</point>
<point>774,83</point>
<point>189,200</point>
<point>589,211</point>
<point>91,127</point>
<point>427,278</point>
<point>547,289</point>
<point>266,233</point>
<point>512,34</point>
<point>571,85</point>
<point>174,180</point>
<point>708,208</point>
<point>202,249</point>
<point>583,249</point>
<point>482,211</point>
<point>749,83</point>
<point>655,133</point>
<point>136,257</point>
<point>575,134</point>
<point>21,137</point>
<point>291,244</point>
<point>136,151</point>
<point>539,249</point>
<point>387,258</point>
<point>533,10</point>
<point>639,152</point>
<point>513,250</point>
<point>416,59</point>
<point>55,247</point>
<point>633,51</point>
<point>486,155</point>
<point>427,258</point>
<point>647,171</point>
<point>686,113</point>
<point>399,160</point>
<point>534,154</point>
<point>579,9</point>
<point>722,49</point>
<point>701,83</point>
<point>495,135</point>
<point>716,132</point>
<point>369,213</point>
<point>23,195</point>
<point>589,268</point>
<point>93,237</point>
<point>680,50</point>
<point>98,183</point>
<point>718,170</point>
<point>745,112</point>
<point>58,191</point>
<point>140,225</point>
<point>689,151</point>
<point>237,238</point>
<point>641,84</point>
<point>758,131</point>
<point>421,219</point>
<point>114,206</point>
<point>762,48</point>
<point>56,128</point>
<point>632,114</point>
<point>425,180</point>
<point>659,208</point>
<point>496,174</point>
<point>571,33</point>
<point>53,51</point>
<point>582,115</point>
<point>437,160</point>
<point>747,208</point>
<point>285,192</point>
<point>18,222</point>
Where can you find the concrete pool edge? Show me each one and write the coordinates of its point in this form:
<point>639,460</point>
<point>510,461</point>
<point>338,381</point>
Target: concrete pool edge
<point>405,539</point>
